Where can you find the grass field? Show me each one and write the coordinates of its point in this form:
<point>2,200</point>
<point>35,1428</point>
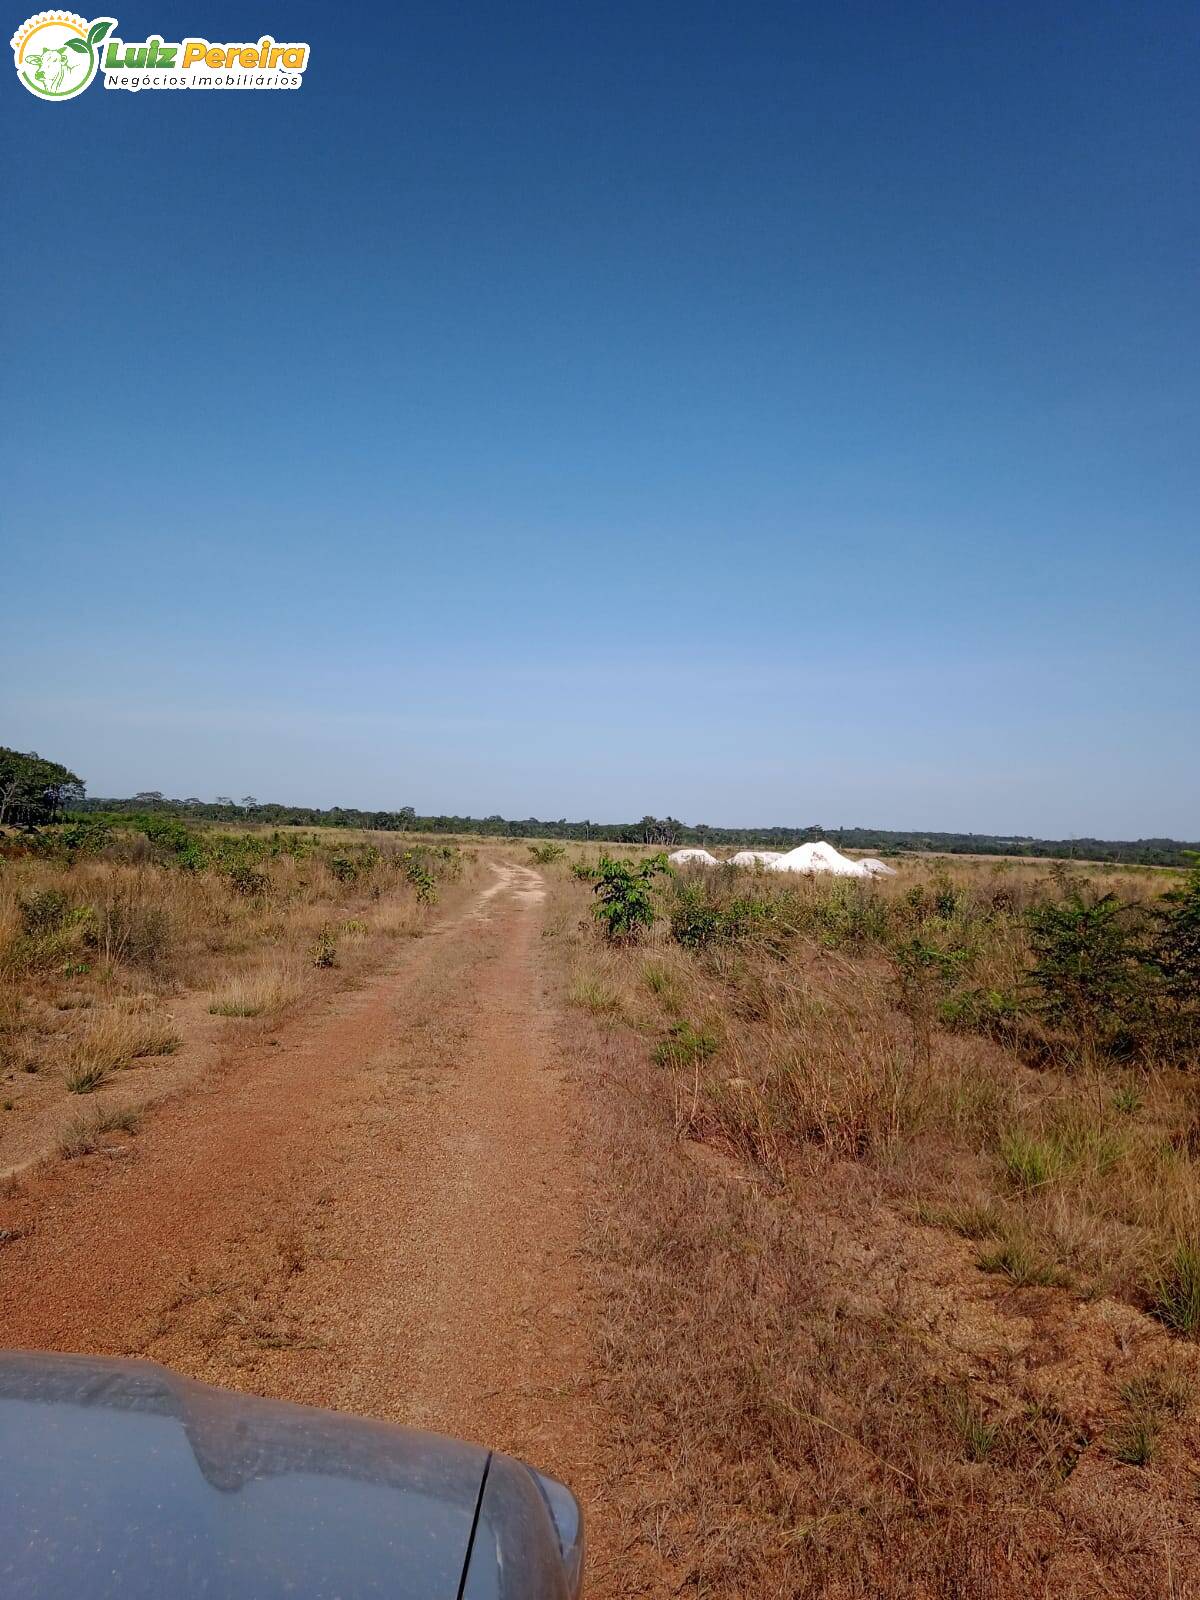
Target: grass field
<point>899,1226</point>
<point>889,1261</point>
<point>116,947</point>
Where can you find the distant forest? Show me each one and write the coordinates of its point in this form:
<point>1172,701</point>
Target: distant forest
<point>649,830</point>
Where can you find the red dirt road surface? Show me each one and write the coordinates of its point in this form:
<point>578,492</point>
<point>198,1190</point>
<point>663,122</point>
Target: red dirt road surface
<point>373,1207</point>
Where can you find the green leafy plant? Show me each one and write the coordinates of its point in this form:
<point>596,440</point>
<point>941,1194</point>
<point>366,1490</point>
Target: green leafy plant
<point>543,854</point>
<point>925,972</point>
<point>988,1011</point>
<point>700,919</point>
<point>1175,954</point>
<point>1085,968</point>
<point>45,912</point>
<point>174,841</point>
<point>625,905</point>
<point>420,877</point>
<point>85,836</point>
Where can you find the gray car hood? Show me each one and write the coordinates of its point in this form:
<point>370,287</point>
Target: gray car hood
<point>119,1478</point>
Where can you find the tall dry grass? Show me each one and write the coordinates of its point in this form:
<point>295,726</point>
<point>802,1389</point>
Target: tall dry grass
<point>95,950</point>
<point>825,1150</point>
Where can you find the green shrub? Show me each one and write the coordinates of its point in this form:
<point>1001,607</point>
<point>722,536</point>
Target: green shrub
<point>543,854</point>
<point>174,841</point>
<point>52,931</point>
<point>420,877</point>
<point>700,919</point>
<point>1175,955</point>
<point>85,836</point>
<point>987,1011</point>
<point>1127,1100</point>
<point>1086,969</point>
<point>247,880</point>
<point>1176,944</point>
<point>843,915</point>
<point>45,912</point>
<point>625,906</point>
<point>946,896</point>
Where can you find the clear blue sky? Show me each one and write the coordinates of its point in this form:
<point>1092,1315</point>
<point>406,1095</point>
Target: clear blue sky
<point>755,413</point>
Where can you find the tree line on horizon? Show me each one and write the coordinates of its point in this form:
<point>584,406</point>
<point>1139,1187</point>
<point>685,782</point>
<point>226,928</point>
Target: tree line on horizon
<point>658,831</point>
<point>35,792</point>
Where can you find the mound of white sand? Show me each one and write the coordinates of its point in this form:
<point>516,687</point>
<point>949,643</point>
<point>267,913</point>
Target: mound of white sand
<point>754,858</point>
<point>819,857</point>
<point>810,858</point>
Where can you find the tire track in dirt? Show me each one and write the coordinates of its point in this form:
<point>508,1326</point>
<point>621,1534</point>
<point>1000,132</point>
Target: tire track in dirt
<point>375,1209</point>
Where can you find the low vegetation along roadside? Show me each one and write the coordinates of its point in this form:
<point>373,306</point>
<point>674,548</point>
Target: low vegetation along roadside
<point>111,931</point>
<point>898,1224</point>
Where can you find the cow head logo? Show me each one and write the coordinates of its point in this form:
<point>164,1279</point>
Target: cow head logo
<point>57,54</point>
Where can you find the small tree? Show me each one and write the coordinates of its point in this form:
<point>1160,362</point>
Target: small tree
<point>625,905</point>
<point>1086,966</point>
<point>1175,955</point>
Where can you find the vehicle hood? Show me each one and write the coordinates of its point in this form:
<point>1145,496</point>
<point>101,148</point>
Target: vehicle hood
<point>119,1478</point>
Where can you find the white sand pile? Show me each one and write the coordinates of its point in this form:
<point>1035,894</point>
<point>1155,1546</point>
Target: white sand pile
<point>810,858</point>
<point>820,857</point>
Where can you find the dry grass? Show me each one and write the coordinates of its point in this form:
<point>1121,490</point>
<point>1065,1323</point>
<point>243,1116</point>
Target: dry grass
<point>84,1135</point>
<point>260,993</point>
<point>112,1041</point>
<point>93,951</point>
<point>814,1181</point>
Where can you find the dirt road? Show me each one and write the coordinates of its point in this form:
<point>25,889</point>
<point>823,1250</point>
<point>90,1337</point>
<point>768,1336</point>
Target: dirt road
<point>373,1207</point>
